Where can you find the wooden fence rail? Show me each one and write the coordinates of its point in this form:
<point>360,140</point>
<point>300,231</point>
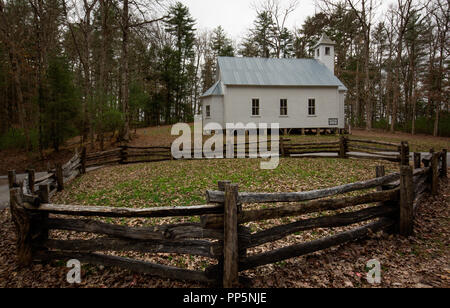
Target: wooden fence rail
<point>55,179</point>
<point>220,235</point>
<point>393,211</point>
<point>33,223</point>
<point>350,148</point>
<point>343,148</point>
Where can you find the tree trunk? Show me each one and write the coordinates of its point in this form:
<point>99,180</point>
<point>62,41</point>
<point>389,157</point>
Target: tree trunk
<point>19,95</point>
<point>358,97</point>
<point>125,134</point>
<point>368,97</point>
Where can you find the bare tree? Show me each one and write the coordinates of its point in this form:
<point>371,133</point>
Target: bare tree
<point>390,32</point>
<point>364,11</point>
<point>11,37</point>
<point>441,14</point>
<point>83,47</point>
<point>133,14</point>
<point>46,21</point>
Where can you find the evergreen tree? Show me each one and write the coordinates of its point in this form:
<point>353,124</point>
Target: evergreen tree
<point>62,109</point>
<point>260,40</point>
<point>263,33</point>
<point>221,45</point>
<point>180,25</point>
<point>286,44</point>
<point>249,47</point>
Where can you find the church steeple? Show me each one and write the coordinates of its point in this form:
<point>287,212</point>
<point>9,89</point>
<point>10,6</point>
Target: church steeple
<point>324,52</point>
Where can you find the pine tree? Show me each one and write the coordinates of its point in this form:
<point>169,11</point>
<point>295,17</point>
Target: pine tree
<point>221,45</point>
<point>260,40</point>
<point>180,25</point>
<point>263,33</point>
<point>62,109</point>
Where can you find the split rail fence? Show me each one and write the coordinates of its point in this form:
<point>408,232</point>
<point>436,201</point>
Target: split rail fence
<point>342,148</point>
<point>221,234</point>
<point>350,148</point>
<point>54,179</point>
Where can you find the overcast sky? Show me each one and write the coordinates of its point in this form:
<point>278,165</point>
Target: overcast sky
<point>236,16</point>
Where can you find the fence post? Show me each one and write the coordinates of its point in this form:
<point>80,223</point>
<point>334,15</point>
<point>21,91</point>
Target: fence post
<point>404,154</point>
<point>444,164</point>
<point>59,177</point>
<point>230,245</point>
<point>380,171</point>
<point>44,193</point>
<point>31,179</point>
<point>417,160</point>
<point>22,223</point>
<point>123,154</point>
<point>342,147</point>
<point>426,162</point>
<point>434,173</point>
<point>40,220</point>
<point>406,201</point>
<point>12,178</point>
<point>282,146</point>
<point>346,141</point>
<point>83,160</point>
<point>217,272</point>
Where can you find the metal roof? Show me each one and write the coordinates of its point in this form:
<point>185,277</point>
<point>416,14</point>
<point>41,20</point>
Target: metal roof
<point>215,90</point>
<point>275,72</point>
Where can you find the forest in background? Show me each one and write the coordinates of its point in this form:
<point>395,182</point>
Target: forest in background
<point>96,67</point>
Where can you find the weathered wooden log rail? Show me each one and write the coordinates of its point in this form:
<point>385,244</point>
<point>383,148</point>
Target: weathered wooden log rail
<point>343,148</point>
<point>35,217</point>
<point>392,209</point>
<point>349,148</point>
<point>54,179</point>
<point>221,234</point>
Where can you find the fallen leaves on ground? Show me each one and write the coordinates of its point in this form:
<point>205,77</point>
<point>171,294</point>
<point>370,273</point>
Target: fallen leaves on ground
<point>419,261</point>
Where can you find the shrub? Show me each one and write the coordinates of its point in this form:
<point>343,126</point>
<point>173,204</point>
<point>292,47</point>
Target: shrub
<point>381,124</point>
<point>15,138</point>
<point>426,126</point>
<point>112,121</point>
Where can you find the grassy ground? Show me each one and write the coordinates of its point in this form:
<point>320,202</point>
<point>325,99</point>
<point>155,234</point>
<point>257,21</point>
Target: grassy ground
<point>419,261</point>
<point>174,183</point>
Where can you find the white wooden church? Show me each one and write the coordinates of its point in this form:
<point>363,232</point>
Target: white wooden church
<point>296,93</point>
